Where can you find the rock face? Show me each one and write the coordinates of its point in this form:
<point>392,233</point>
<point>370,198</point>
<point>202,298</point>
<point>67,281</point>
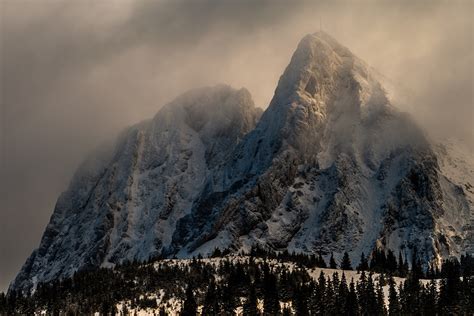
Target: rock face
<point>331,166</point>
<point>123,203</point>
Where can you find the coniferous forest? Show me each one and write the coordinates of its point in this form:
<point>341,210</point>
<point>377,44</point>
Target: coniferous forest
<point>259,283</point>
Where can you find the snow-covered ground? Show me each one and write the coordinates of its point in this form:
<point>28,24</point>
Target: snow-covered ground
<point>173,305</point>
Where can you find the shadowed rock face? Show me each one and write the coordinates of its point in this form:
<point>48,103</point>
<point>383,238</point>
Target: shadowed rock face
<point>331,166</point>
<point>124,201</point>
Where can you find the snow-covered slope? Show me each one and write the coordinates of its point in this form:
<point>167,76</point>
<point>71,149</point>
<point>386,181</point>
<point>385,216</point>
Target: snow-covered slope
<point>123,204</point>
<point>173,305</point>
<point>456,163</point>
<point>331,166</point>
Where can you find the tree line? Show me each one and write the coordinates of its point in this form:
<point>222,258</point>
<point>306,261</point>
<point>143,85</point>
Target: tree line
<point>261,278</point>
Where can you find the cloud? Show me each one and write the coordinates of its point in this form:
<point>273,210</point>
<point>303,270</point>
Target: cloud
<point>73,73</point>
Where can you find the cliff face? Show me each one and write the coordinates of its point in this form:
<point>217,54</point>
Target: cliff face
<point>123,202</point>
<point>331,166</point>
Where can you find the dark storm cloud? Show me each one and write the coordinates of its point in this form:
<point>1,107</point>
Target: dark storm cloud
<point>73,73</point>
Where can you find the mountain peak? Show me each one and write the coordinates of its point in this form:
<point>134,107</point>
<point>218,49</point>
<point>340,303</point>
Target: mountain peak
<point>317,68</point>
<point>323,83</point>
<point>328,168</point>
<point>326,39</point>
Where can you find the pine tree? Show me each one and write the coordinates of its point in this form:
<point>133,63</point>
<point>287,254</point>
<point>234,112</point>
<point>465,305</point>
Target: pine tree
<point>271,304</point>
<point>342,295</point>
<point>228,298</point>
<point>330,298</point>
<point>363,264</point>
<point>216,253</point>
<point>411,295</point>
<point>416,268</point>
<point>300,301</point>
<point>450,289</point>
<point>378,262</point>
<point>381,310</point>
<point>401,267</point>
<point>211,303</point>
<point>468,290</point>
<point>250,306</point>
<point>429,299</point>
<point>391,263</point>
<point>393,300</point>
<point>351,307</point>
<point>189,305</point>
<point>362,289</point>
<point>162,312</point>
<point>371,297</point>
<point>346,262</point>
<point>321,262</point>
<point>318,298</point>
<point>332,262</point>
<point>3,304</point>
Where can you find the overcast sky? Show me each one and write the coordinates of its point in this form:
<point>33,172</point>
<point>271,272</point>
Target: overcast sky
<point>74,73</point>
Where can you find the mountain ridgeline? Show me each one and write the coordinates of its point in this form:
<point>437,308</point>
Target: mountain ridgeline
<point>330,167</point>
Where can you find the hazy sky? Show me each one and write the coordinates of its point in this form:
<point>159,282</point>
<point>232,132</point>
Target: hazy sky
<point>73,73</point>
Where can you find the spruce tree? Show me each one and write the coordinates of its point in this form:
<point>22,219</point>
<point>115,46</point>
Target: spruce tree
<point>391,263</point>
<point>468,288</point>
<point>189,305</point>
<point>450,289</point>
<point>342,295</point>
<point>318,297</point>
<point>330,298</point>
<point>381,310</point>
<point>346,262</point>
<point>351,306</point>
<point>371,297</point>
<point>411,295</point>
<point>300,301</point>
<point>393,300</point>
<point>162,312</point>
<point>211,301</point>
<point>363,264</point>
<point>250,306</point>
<point>362,290</point>
<point>321,262</point>
<point>430,298</point>
<point>271,303</point>
<point>228,299</point>
<point>332,262</point>
<point>416,268</point>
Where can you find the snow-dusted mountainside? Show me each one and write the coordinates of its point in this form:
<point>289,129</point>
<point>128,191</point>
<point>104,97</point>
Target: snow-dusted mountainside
<point>456,162</point>
<point>331,166</point>
<point>123,203</point>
